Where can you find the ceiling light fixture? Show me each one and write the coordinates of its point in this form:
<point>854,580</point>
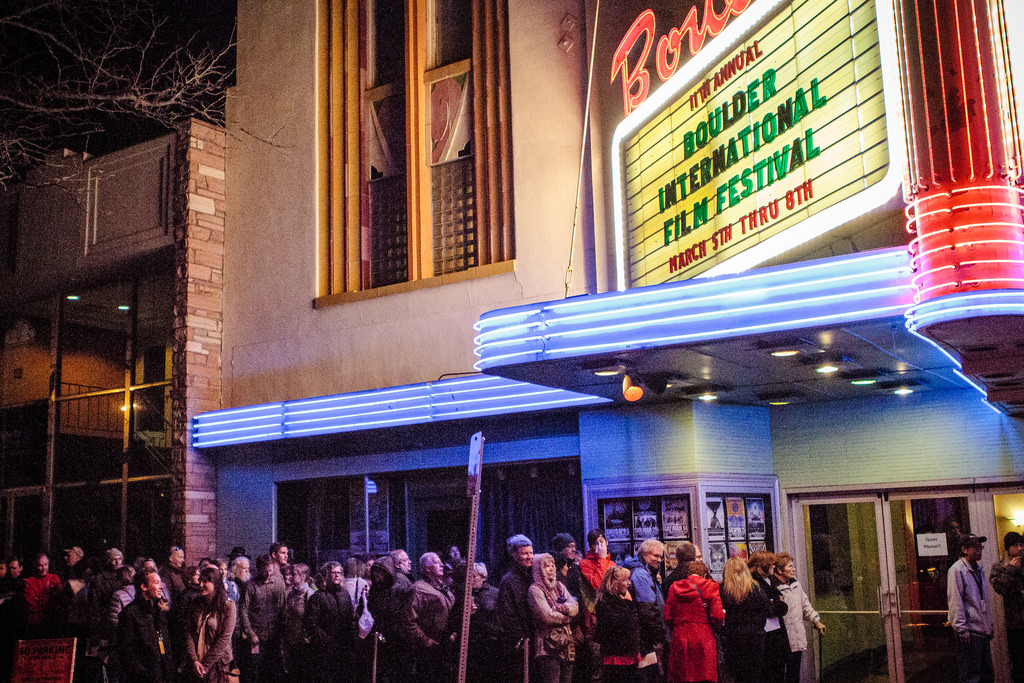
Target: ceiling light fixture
<point>903,391</point>
<point>862,382</point>
<point>610,370</point>
<point>785,354</point>
<point>123,307</point>
<point>72,297</point>
<point>827,369</point>
<point>708,397</point>
<point>778,403</point>
<point>631,391</point>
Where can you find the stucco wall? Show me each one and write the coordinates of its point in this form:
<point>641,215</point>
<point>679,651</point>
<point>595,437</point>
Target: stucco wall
<point>677,438</point>
<point>276,347</point>
<point>924,436</point>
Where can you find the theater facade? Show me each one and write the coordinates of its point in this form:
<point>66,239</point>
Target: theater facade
<point>749,274</point>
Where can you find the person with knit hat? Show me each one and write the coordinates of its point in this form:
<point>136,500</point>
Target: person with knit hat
<point>563,549</point>
<point>1007,579</point>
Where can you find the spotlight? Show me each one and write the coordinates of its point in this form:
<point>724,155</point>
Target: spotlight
<point>631,391</point>
<point>827,369</point>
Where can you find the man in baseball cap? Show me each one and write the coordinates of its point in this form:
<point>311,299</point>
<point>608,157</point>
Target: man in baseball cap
<point>969,612</point>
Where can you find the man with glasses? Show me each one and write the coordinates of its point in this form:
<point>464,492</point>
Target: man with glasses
<point>969,613</point>
<point>330,623</point>
<point>645,573</point>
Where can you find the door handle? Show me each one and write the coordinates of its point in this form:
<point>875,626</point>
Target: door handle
<point>899,606</point>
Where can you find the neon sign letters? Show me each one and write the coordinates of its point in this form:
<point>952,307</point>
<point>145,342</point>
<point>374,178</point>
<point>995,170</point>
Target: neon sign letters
<point>636,81</point>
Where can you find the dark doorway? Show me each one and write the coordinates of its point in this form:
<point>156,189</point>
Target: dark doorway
<point>446,528</point>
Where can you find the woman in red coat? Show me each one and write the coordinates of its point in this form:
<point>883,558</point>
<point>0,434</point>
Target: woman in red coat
<point>692,655</point>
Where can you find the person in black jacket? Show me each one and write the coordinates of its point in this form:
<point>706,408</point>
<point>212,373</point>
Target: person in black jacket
<point>331,626</point>
<point>776,641</point>
<point>618,628</point>
<point>747,608</point>
<point>143,639</point>
<point>513,612</point>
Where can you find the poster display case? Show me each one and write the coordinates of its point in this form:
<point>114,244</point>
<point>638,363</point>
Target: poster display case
<point>629,521</point>
<point>725,515</point>
<point>736,524</point>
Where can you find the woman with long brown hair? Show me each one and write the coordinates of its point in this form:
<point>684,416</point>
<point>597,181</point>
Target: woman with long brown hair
<point>746,611</point>
<point>211,621</point>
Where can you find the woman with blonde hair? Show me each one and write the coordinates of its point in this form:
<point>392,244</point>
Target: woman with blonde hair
<point>746,611</point>
<point>553,610</point>
<point>617,628</point>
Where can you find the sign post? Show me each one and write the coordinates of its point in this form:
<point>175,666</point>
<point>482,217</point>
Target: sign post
<point>476,460</point>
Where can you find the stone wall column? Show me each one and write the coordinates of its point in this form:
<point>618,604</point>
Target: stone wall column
<point>198,332</point>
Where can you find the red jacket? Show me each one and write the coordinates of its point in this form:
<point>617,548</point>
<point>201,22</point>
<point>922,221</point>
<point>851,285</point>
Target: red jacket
<point>42,596</point>
<point>594,568</point>
<point>692,655</point>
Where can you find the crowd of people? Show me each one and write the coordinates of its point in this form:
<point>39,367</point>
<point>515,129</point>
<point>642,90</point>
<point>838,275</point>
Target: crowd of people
<point>557,617</point>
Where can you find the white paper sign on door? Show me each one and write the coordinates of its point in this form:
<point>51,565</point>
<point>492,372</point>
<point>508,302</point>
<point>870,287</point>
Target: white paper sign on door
<point>931,545</point>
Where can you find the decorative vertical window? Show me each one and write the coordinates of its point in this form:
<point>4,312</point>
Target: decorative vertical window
<point>450,121</point>
<point>430,138</point>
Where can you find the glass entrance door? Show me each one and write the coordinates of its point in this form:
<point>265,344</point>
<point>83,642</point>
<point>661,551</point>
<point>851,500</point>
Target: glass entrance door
<point>876,572</point>
<point>923,546</point>
<point>846,580</point>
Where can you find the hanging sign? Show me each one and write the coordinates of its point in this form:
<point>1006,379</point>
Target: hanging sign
<point>782,136</point>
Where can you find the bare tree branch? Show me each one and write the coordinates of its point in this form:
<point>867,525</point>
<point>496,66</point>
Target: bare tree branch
<point>71,68</point>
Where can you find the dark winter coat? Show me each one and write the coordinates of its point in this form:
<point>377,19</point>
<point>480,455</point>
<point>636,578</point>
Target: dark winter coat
<point>331,627</point>
<point>513,611</point>
<point>141,628</point>
<point>618,626</point>
<point>1008,581</point>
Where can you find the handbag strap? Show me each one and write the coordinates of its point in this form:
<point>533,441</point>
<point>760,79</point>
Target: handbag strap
<point>706,603</point>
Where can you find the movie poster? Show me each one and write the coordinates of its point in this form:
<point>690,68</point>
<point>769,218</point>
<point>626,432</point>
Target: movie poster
<point>618,552</point>
<point>714,519</point>
<point>645,519</point>
<point>736,519</point>
<point>670,554</point>
<point>738,550</point>
<point>716,557</point>
<point>755,518</point>
<point>755,546</point>
<point>675,516</point>
<point>616,521</point>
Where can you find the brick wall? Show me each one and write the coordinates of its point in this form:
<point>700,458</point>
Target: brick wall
<point>198,320</point>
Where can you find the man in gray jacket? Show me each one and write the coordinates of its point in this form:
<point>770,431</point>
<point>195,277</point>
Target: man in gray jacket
<point>969,612</point>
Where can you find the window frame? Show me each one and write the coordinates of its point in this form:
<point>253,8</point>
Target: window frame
<point>342,182</point>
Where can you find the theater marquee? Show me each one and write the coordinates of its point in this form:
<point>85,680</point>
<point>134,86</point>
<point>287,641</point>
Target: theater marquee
<point>780,130</point>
